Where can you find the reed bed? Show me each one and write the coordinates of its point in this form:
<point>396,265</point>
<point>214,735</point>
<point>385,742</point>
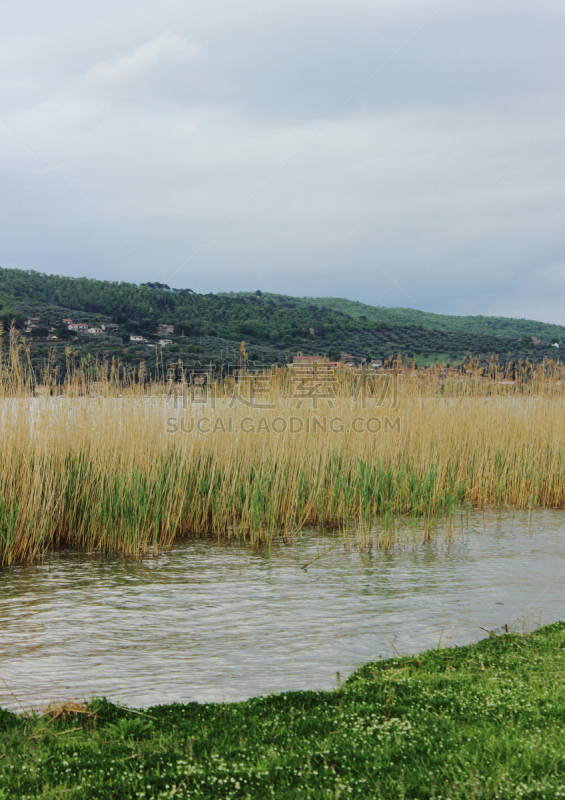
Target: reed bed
<point>110,461</point>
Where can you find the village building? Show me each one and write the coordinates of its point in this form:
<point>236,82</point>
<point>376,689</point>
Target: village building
<point>110,327</point>
<point>33,322</point>
<point>164,342</point>
<point>78,327</point>
<point>163,329</point>
<point>96,331</point>
<point>137,338</point>
<point>301,359</point>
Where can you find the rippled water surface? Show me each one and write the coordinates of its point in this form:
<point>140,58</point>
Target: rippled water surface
<point>213,622</point>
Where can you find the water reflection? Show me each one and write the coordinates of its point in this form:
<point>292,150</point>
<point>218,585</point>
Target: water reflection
<point>213,622</point>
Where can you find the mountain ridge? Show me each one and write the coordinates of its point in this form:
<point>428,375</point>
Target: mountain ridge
<point>479,323</point>
<point>273,326</point>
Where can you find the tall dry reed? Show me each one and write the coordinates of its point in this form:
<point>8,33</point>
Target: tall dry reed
<point>107,460</point>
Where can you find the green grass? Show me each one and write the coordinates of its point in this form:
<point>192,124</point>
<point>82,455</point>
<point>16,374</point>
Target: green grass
<point>484,721</point>
<point>432,357</point>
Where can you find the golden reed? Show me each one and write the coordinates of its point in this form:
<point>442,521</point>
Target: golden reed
<point>112,461</point>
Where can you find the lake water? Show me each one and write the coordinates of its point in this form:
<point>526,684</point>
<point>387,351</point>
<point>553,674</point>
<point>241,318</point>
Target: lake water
<point>215,622</point>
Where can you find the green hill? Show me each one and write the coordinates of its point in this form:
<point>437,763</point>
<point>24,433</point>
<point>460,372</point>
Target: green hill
<point>508,327</point>
<point>210,327</point>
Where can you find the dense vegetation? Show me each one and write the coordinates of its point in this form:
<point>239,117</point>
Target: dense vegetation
<point>210,327</point>
<point>135,465</point>
<point>484,721</point>
<point>507,327</point>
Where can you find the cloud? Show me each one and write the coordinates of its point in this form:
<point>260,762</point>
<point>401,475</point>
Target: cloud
<point>7,58</point>
<point>355,149</point>
<point>141,58</point>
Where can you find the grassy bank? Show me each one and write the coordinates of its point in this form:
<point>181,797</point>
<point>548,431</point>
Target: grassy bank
<point>484,721</point>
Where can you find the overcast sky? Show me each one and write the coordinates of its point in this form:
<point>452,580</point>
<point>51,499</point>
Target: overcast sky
<point>400,152</point>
